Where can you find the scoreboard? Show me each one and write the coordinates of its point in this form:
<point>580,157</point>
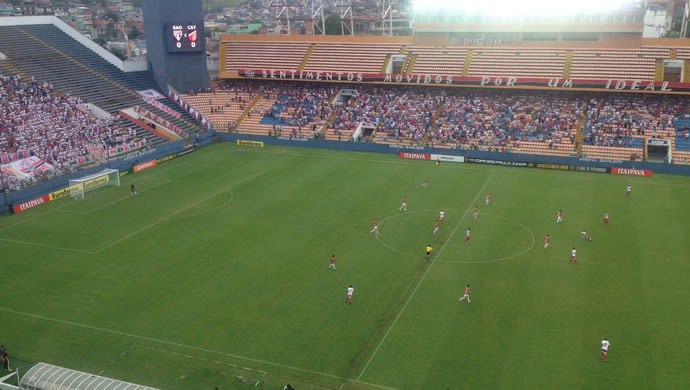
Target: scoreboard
<point>184,37</point>
<point>176,43</point>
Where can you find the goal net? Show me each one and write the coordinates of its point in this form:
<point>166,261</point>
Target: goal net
<point>106,177</point>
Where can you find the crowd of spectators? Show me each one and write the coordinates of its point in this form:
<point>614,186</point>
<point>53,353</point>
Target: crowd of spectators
<point>404,114</point>
<point>490,120</point>
<point>300,105</point>
<point>467,118</point>
<point>617,120</point>
<point>56,128</point>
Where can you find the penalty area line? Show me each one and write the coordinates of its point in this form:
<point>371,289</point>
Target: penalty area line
<point>178,211</point>
<point>37,244</point>
<point>421,280</point>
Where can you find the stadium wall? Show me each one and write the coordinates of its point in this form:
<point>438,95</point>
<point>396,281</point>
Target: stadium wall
<point>491,158</point>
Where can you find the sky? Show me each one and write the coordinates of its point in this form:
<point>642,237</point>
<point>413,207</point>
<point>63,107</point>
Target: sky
<point>521,7</point>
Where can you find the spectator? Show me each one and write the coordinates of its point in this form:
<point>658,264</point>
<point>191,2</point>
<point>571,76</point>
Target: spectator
<point>5,358</point>
<point>56,128</point>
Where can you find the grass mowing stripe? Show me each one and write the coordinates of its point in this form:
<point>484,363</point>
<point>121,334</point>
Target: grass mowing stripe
<point>167,217</point>
<point>167,342</point>
<point>190,347</point>
<point>421,280</point>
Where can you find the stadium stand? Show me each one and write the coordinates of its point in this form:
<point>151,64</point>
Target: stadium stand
<point>682,139</point>
<point>594,126</point>
<point>265,55</point>
<point>527,62</point>
<point>59,127</point>
<point>351,57</point>
<point>56,130</point>
<point>594,63</point>
<point>438,60</point>
<point>612,64</point>
<point>624,121</point>
<point>47,54</point>
<point>537,123</point>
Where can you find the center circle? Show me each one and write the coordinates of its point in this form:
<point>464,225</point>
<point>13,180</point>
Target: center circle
<point>494,238</point>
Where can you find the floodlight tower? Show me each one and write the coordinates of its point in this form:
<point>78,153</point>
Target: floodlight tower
<point>686,15</point>
<point>385,10</point>
<point>281,10</point>
<point>315,8</point>
<point>347,24</point>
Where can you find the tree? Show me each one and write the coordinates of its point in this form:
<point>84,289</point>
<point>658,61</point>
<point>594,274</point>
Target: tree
<point>110,33</point>
<point>333,25</point>
<point>133,33</point>
<point>119,53</point>
<point>113,16</point>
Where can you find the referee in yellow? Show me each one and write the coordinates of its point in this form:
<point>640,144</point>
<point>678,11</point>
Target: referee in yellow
<point>429,249</point>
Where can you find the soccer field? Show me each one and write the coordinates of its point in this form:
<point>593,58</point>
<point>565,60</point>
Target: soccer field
<point>216,274</point>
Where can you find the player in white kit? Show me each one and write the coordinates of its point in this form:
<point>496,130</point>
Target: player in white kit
<point>350,291</point>
<point>605,344</point>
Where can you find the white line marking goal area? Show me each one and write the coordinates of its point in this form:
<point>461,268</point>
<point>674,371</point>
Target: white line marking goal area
<point>421,280</point>
<point>175,213</point>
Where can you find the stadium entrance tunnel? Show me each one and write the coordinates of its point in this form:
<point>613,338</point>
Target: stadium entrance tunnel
<point>44,376</point>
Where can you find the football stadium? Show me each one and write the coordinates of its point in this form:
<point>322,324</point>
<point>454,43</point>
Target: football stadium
<point>368,195</point>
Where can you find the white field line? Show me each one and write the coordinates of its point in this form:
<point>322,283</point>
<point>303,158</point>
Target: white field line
<point>93,252</point>
<point>178,211</point>
<point>118,200</point>
<point>421,280</point>
<point>391,247</point>
<point>191,357</point>
<point>533,241</point>
<point>32,217</point>
<point>38,244</point>
<point>184,346</point>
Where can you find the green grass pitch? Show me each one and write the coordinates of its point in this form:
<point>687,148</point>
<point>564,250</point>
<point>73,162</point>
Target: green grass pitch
<point>216,274</point>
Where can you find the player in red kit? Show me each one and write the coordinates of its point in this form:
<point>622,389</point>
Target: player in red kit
<point>547,241</point>
<point>425,183</point>
<point>475,212</point>
<point>559,216</point>
<point>375,228</point>
<point>403,204</point>
<point>331,262</point>
<point>487,199</point>
<point>437,225</point>
<point>466,295</point>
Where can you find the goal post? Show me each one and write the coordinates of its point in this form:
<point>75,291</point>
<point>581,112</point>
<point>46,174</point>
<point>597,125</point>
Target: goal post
<point>107,177</point>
